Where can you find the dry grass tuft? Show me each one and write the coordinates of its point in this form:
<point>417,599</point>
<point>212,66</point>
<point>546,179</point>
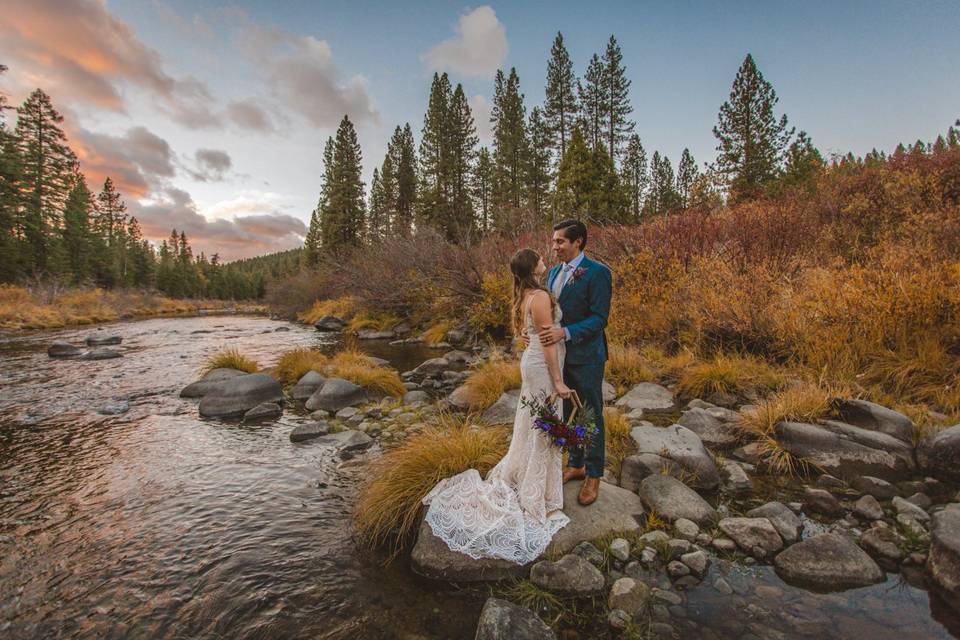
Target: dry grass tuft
<point>627,366</point>
<point>230,359</point>
<point>389,503</point>
<point>342,308</point>
<point>617,440</point>
<point>359,369</point>
<point>488,381</point>
<point>801,403</point>
<point>435,334</point>
<point>295,363</point>
<point>734,374</point>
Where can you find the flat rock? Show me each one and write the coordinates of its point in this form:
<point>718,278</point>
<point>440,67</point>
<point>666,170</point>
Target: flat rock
<point>868,508</point>
<point>671,499</point>
<point>943,561</point>
<point>239,394</point>
<point>616,510</point>
<point>785,521</point>
<point>629,595</point>
<point>635,468</point>
<point>713,432</point>
<point>101,354</point>
<point>263,411</point>
<point>684,447</point>
<point>432,558</point>
<point>571,575</point>
<point>211,381</point>
<point>349,440</point>
<point>307,385</point>
<point>846,451</point>
<point>504,410</point>
<point>872,416</point>
<point>648,397</point>
<point>329,323</point>
<point>822,502</point>
<point>114,408</point>
<point>503,620</point>
<point>876,487</point>
<point>828,562</point>
<point>757,536</point>
<point>735,479</point>
<point>60,349</point>
<point>309,431</point>
<point>882,543</point>
<point>96,340</point>
<point>335,394</point>
<point>912,511</point>
<point>939,456</point>
<point>413,397</point>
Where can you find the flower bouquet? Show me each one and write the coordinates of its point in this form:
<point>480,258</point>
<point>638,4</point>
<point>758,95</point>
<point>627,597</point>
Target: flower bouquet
<point>579,429</point>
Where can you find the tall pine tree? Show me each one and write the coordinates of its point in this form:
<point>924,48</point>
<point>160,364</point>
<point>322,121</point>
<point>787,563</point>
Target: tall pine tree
<point>587,185</point>
<point>511,150</point>
<point>538,174</point>
<point>77,245</point>
<point>635,179</point>
<point>560,103</point>
<point>10,169</point>
<point>434,195</point>
<point>405,160</point>
<point>686,177</point>
<point>483,177</point>
<point>617,110</point>
<point>463,140</point>
<point>344,213</point>
<point>593,102</point>
<point>663,194</point>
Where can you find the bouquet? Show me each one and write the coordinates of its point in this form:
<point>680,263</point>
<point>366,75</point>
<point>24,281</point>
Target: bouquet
<point>579,430</point>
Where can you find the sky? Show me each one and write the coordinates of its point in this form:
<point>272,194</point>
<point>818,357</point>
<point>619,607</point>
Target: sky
<point>211,118</point>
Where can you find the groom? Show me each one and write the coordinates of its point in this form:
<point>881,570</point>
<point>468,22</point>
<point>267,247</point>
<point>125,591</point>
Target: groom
<point>582,288</point>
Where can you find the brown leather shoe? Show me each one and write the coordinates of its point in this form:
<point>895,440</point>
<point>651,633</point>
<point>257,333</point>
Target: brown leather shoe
<point>589,491</point>
<point>574,473</point>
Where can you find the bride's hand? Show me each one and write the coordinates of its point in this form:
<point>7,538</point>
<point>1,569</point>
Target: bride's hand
<point>562,390</point>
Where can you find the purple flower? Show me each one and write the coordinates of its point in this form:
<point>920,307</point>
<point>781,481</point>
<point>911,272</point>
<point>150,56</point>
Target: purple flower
<point>580,431</point>
<point>561,441</point>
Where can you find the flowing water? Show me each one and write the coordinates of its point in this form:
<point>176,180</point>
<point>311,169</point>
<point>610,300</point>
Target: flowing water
<point>157,524</point>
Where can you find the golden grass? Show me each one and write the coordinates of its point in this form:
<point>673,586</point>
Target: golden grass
<point>488,381</point>
<point>374,321</point>
<point>617,441</point>
<point>342,308</point>
<point>626,366</point>
<point>654,522</point>
<point>229,359</point>
<point>726,373</point>
<point>801,403</point>
<point>435,333</point>
<point>359,369</point>
<point>293,364</point>
<point>389,503</point>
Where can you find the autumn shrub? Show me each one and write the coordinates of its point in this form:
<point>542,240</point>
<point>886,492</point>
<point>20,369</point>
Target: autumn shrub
<point>627,366</point>
<point>229,359</point>
<point>372,320</point>
<point>491,313</point>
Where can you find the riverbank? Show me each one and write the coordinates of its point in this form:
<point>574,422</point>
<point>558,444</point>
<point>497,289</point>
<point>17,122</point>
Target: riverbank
<point>23,308</point>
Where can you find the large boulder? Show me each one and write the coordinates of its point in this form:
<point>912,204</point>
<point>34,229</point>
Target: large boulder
<point>874,417</point>
<point>671,499</point>
<point>635,468</point>
<point>307,385</point>
<point>61,349</point>
<point>238,395</point>
<point>939,456</point>
<point>649,398</point>
<point>846,451</point>
<point>684,447</point>
<point>336,394</point>
<point>616,510</point>
<point>571,575</point>
<point>943,562</point>
<point>785,521</point>
<point>98,340</point>
<point>713,432</point>
<point>460,398</point>
<point>211,381</point>
<point>828,562</point>
<point>432,558</point>
<point>756,536</point>
<point>329,323</point>
<point>504,410</point>
<point>503,620</point>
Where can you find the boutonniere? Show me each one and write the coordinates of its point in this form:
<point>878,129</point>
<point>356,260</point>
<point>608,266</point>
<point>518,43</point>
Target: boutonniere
<point>579,271</point>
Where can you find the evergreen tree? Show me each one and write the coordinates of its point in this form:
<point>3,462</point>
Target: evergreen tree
<point>76,230</point>
<point>538,178</point>
<point>686,176</point>
<point>47,168</point>
<point>617,109</point>
<point>751,139</point>
<point>663,195</point>
<point>510,150</point>
<point>344,213</point>
<point>406,175</point>
<point>10,170</point>
<point>111,213</point>
<point>804,164</point>
<point>311,243</point>
<point>324,217</point>
<point>463,142</point>
<point>560,103</point>
<point>593,102</point>
<point>142,260</point>
<point>434,195</point>
<point>376,209</point>
<point>587,185</point>
<point>388,186</point>
<point>483,178</point>
<point>635,179</point>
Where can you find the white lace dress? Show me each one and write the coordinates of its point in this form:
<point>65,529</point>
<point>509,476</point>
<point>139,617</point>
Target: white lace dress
<point>516,511</point>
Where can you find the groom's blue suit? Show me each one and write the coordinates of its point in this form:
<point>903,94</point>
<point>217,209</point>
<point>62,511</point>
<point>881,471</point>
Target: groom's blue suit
<point>585,303</point>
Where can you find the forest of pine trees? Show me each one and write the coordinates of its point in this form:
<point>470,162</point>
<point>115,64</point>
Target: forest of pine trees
<point>54,227</point>
<point>575,155</point>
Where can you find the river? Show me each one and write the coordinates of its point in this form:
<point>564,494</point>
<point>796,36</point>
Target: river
<point>156,524</point>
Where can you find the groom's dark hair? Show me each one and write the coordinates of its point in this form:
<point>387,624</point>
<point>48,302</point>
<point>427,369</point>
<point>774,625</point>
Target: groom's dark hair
<point>573,230</point>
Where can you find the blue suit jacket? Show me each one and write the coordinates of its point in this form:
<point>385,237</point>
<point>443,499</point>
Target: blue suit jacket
<point>585,303</point>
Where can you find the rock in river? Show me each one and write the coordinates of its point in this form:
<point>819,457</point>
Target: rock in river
<point>60,349</point>
<point>329,323</point>
<point>503,620</point>
<point>828,562</point>
<point>306,386</point>
<point>212,380</point>
<point>309,431</point>
<point>96,340</point>
<point>432,558</point>
<point>240,394</point>
<point>943,563</point>
<point>756,536</point>
<point>336,394</point>
<point>349,440</point>
<point>671,499</point>
<point>786,522</point>
<point>101,354</point>
<point>263,411</point>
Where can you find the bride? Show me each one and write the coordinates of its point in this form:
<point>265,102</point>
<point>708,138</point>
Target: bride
<point>515,512</point>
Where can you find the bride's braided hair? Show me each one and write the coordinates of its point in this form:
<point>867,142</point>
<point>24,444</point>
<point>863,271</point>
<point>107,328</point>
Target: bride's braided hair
<point>523,264</point>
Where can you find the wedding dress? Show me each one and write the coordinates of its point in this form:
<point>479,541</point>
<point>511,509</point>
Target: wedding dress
<point>516,511</point>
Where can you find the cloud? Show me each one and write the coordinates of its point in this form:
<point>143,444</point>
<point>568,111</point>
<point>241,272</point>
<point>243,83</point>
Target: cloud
<point>247,115</point>
<point>137,162</point>
<point>240,237</point>
<point>301,72</point>
<point>77,51</point>
<point>480,109</point>
<point>212,165</point>
<point>479,47</point>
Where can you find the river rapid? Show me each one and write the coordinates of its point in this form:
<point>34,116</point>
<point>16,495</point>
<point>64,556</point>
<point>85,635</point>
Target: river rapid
<point>157,524</point>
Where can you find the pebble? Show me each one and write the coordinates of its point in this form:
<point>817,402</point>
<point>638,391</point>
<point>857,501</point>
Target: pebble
<point>620,549</point>
<point>677,569</point>
<point>667,596</point>
<point>722,586</point>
